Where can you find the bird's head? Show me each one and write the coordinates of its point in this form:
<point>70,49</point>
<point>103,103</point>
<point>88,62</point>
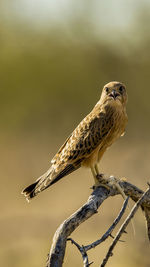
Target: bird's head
<point>114,92</point>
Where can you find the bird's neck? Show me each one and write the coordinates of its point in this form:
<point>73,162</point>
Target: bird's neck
<point>115,106</point>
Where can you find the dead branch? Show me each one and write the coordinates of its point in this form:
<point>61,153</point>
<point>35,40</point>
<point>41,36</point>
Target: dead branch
<point>123,227</point>
<point>83,249</point>
<point>111,228</point>
<point>90,208</point>
<point>83,253</point>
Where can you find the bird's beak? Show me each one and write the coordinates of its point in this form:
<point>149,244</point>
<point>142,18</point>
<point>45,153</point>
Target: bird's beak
<point>114,94</point>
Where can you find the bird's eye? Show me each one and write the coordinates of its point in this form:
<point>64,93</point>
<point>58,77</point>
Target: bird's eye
<point>107,90</point>
<point>121,89</point>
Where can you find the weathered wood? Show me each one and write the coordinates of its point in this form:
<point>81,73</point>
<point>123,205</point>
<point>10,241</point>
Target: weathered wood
<point>147,215</point>
<point>57,251</point>
<point>83,249</point>
<point>95,200</point>
<point>123,227</point>
<point>111,228</point>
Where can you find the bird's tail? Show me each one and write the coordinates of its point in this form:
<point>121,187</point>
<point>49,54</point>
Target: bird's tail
<point>49,178</point>
<point>39,185</point>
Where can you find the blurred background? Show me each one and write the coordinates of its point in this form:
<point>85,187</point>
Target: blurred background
<point>55,57</point>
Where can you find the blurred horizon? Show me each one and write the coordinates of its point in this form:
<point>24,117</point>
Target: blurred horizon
<point>56,56</point>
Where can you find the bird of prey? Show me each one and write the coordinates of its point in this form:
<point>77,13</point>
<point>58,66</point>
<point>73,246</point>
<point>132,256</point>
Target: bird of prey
<point>90,139</point>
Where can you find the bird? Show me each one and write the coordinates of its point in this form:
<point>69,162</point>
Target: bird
<point>88,142</point>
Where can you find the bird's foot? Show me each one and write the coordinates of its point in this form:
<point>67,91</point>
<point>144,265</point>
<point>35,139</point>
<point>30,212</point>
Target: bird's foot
<point>115,184</point>
<point>101,185</point>
<point>100,181</point>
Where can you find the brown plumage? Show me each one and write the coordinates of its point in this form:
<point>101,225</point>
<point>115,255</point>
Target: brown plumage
<point>88,142</point>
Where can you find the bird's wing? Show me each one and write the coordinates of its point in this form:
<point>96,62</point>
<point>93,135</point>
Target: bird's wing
<point>89,134</point>
<point>84,139</point>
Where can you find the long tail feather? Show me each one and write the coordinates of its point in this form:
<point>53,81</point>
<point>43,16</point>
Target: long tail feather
<point>47,179</point>
<point>38,186</point>
<point>29,191</point>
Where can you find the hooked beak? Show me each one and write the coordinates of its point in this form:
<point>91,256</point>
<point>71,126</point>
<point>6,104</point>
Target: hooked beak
<point>114,94</point>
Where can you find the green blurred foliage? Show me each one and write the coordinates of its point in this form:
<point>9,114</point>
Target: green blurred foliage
<point>50,76</point>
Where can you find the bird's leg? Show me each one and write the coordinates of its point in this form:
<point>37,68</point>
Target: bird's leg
<point>113,181</point>
<point>95,176</point>
<point>96,169</point>
<point>95,172</point>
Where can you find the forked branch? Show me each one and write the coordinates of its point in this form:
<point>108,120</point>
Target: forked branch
<point>84,249</point>
<point>123,227</point>
<point>90,208</point>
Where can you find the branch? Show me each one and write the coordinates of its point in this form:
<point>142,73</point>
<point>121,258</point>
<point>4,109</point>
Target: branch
<point>95,200</point>
<point>111,228</point>
<point>147,215</point>
<point>83,249</point>
<point>123,227</point>
<point>57,251</point>
<point>83,253</point>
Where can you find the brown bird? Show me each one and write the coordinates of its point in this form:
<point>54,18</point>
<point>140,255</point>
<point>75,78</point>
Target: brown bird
<point>88,142</point>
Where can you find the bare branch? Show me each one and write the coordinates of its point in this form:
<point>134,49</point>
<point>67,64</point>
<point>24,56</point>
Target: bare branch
<point>68,226</point>
<point>123,227</point>
<point>111,228</point>
<point>83,253</point>
<point>147,215</point>
<point>83,249</point>
<point>95,200</point>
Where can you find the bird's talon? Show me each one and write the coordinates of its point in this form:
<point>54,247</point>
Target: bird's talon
<point>100,176</point>
<point>101,185</point>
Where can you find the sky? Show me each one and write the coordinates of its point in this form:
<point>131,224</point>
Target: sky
<point>111,13</point>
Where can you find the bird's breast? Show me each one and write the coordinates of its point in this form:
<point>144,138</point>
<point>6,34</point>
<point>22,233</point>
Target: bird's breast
<point>119,119</point>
